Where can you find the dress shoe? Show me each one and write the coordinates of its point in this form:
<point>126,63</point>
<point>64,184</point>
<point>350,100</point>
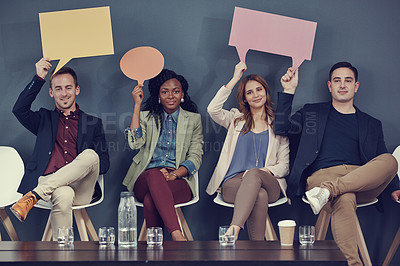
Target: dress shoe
<point>24,205</point>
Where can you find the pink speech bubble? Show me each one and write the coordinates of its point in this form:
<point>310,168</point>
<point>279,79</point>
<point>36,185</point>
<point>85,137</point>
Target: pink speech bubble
<point>272,33</point>
<point>142,63</point>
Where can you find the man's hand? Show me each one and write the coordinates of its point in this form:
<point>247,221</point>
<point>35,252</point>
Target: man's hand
<point>290,80</point>
<point>42,67</point>
<point>396,195</point>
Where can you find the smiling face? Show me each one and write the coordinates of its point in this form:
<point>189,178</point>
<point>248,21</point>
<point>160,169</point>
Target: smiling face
<point>64,92</point>
<point>343,85</point>
<point>255,95</point>
<point>170,95</point>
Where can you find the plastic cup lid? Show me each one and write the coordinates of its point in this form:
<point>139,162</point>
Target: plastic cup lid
<point>287,223</point>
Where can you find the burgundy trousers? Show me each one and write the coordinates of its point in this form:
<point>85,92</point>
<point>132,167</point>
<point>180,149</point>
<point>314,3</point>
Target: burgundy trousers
<point>159,197</point>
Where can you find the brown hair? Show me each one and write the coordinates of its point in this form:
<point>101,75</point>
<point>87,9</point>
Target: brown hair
<point>64,70</point>
<point>244,107</point>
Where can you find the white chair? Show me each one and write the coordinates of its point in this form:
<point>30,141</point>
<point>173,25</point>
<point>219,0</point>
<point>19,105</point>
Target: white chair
<point>322,224</point>
<point>12,171</point>
<point>82,220</point>
<point>396,240</point>
<point>269,228</point>
<point>181,218</point>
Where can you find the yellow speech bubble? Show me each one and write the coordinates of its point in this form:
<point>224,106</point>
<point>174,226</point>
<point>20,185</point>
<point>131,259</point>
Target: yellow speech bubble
<point>76,33</point>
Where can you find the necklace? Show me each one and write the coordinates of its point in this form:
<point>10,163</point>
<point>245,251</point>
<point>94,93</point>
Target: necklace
<point>256,154</point>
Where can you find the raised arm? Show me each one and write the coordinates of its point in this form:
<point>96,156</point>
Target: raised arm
<point>137,95</point>
<point>136,133</point>
<point>22,107</point>
<point>214,108</point>
<point>286,124</point>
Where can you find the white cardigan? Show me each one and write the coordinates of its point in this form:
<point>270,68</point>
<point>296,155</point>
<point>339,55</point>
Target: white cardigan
<point>277,160</point>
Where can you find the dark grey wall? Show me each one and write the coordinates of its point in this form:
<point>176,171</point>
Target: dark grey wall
<point>193,37</point>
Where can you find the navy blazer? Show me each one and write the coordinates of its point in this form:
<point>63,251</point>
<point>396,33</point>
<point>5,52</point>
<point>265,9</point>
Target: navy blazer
<point>306,129</point>
<point>44,124</point>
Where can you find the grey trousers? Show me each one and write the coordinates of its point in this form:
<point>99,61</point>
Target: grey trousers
<point>250,192</point>
<point>70,185</point>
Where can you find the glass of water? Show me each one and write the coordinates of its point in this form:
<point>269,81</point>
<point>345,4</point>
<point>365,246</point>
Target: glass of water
<point>65,236</point>
<point>226,236</point>
<point>306,234</point>
<point>106,235</point>
<point>154,236</point>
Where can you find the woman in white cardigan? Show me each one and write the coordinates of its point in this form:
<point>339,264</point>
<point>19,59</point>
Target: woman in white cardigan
<point>253,161</point>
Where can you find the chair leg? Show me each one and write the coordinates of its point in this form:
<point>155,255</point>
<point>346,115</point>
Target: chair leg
<point>269,230</point>
<point>362,247</point>
<point>89,226</point>
<point>47,234</point>
<point>8,225</point>
<point>183,224</point>
<point>80,223</point>
<point>143,232</point>
<point>392,249</point>
<point>322,224</point>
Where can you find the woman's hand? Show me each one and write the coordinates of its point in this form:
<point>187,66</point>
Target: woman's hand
<point>396,195</point>
<point>168,175</point>
<point>240,68</point>
<point>137,94</point>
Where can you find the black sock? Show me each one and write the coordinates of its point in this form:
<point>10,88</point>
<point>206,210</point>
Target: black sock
<point>36,195</point>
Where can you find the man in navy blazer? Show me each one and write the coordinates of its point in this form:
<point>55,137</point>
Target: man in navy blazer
<point>70,150</point>
<point>340,156</point>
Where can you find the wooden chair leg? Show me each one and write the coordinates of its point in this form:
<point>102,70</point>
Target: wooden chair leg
<point>143,232</point>
<point>362,247</point>
<point>183,224</point>
<point>8,225</point>
<point>89,226</point>
<point>269,230</point>
<point>322,224</point>
<point>47,234</point>
<point>80,223</point>
<point>392,249</point>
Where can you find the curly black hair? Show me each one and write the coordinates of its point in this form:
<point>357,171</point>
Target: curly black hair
<point>154,107</point>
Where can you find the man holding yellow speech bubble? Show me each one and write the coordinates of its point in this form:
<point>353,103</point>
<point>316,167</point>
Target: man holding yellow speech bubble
<point>70,150</point>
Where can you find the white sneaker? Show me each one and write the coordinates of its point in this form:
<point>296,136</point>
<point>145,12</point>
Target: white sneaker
<point>317,197</point>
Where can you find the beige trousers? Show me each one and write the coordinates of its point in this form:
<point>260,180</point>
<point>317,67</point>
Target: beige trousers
<point>349,185</point>
<point>251,192</point>
<point>70,185</point>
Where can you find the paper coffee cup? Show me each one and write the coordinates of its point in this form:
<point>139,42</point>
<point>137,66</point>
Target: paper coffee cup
<point>286,232</point>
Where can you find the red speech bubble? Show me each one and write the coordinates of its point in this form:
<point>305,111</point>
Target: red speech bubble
<point>142,63</point>
<point>272,33</point>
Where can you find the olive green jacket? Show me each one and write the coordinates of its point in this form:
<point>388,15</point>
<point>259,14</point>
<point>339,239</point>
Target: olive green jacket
<point>189,145</point>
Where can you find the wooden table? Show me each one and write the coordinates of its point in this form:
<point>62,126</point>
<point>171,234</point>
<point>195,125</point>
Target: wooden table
<point>171,253</point>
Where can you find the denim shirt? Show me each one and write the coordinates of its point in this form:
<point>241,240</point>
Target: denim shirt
<point>165,151</point>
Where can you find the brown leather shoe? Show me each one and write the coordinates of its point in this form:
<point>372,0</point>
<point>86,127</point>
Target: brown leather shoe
<point>24,205</point>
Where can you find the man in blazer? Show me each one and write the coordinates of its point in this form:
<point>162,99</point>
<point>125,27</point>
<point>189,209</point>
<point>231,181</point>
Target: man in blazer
<point>341,157</point>
<point>70,150</point>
